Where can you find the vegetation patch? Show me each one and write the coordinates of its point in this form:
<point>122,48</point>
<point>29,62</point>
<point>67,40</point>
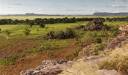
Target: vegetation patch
<point>95,24</point>
<point>9,60</point>
<point>117,60</point>
<point>66,34</point>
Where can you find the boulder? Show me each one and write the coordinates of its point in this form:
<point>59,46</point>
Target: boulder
<point>48,67</point>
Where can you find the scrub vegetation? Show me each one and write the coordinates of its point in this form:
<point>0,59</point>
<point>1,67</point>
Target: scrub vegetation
<point>36,39</point>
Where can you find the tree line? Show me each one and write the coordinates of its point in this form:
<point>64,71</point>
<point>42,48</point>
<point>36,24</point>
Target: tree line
<point>43,21</point>
<point>38,21</point>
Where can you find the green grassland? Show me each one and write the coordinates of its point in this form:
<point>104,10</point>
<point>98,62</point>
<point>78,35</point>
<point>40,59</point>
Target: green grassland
<point>37,30</point>
<point>17,36</point>
<point>17,33</point>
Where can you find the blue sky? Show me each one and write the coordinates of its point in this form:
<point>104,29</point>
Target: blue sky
<point>62,6</point>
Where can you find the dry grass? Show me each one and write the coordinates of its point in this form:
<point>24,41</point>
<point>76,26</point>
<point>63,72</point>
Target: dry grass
<point>118,60</point>
<point>81,68</point>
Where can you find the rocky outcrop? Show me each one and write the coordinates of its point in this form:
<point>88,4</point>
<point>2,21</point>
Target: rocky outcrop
<point>48,67</point>
<point>121,38</point>
<point>107,72</point>
<point>117,42</point>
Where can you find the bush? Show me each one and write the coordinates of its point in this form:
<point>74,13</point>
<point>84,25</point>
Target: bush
<point>96,24</point>
<point>7,32</point>
<point>27,31</point>
<point>67,34</point>
<point>42,25</point>
<point>98,40</point>
<point>96,49</point>
<point>114,30</point>
<point>0,30</point>
<point>93,26</point>
<point>90,37</point>
<point>9,60</point>
<point>50,35</point>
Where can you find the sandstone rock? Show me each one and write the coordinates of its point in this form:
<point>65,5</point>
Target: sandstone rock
<point>48,67</point>
<point>107,72</point>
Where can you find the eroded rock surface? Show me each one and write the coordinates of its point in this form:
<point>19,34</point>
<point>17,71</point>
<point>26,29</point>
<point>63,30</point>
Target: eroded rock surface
<point>48,67</point>
<point>107,72</point>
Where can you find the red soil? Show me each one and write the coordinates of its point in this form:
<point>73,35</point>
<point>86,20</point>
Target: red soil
<point>32,61</point>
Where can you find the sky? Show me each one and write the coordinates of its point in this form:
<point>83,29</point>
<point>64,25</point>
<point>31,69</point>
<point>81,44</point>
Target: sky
<point>82,7</point>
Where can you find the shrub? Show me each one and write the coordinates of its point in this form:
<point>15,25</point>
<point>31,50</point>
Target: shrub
<point>98,40</point>
<point>94,49</point>
<point>9,60</point>
<point>7,32</point>
<point>50,35</point>
<point>42,25</point>
<point>93,37</point>
<point>114,30</point>
<point>59,35</point>
<point>0,30</point>
<point>67,34</point>
<point>27,31</point>
<point>96,24</point>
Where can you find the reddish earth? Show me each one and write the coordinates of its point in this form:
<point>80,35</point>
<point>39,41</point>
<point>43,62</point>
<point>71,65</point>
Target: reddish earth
<point>34,60</point>
<point>17,46</point>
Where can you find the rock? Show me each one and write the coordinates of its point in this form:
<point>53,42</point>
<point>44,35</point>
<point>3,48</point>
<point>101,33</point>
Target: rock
<point>48,67</point>
<point>107,72</point>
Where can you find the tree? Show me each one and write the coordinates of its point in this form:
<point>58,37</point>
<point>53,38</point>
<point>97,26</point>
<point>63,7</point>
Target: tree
<point>31,23</point>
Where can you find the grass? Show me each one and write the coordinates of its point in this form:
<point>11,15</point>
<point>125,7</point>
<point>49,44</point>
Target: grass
<point>117,59</point>
<point>97,40</point>
<point>5,27</point>
<point>80,68</point>
<point>117,23</point>
<point>50,45</point>
<point>36,30</point>
<point>54,44</point>
<point>9,60</point>
<point>20,46</point>
<point>17,34</point>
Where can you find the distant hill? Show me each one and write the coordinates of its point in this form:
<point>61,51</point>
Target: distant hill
<point>110,14</point>
<point>95,14</point>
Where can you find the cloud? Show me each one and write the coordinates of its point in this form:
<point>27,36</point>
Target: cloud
<point>125,2</point>
<point>121,4</point>
<point>18,4</point>
<point>121,0</point>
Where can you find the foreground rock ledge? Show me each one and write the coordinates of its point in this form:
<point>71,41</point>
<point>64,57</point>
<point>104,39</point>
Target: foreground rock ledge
<point>48,67</point>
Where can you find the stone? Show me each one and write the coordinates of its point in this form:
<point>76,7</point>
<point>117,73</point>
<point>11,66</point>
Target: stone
<point>48,67</point>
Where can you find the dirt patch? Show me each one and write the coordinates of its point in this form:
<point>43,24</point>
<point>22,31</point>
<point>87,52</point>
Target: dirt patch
<point>17,46</point>
<point>33,61</point>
